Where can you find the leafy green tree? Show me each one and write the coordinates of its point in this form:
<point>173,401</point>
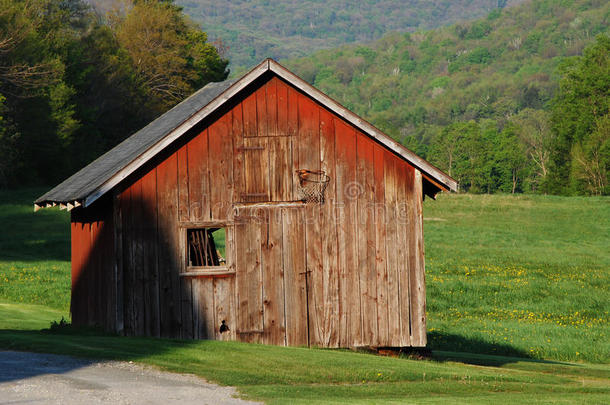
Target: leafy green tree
<point>535,133</point>
<point>170,55</point>
<point>590,169</point>
<point>511,161</point>
<point>579,111</point>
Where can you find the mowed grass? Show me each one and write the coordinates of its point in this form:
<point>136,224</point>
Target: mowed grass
<point>34,251</point>
<point>525,278</point>
<point>519,275</point>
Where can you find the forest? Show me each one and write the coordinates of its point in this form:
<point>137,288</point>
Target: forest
<point>74,83</point>
<point>514,102</point>
<point>253,30</point>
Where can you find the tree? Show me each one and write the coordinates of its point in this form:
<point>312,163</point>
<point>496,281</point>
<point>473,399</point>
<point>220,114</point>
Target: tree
<point>579,108</point>
<point>170,55</point>
<point>534,130</point>
<point>591,160</point>
<point>510,159</point>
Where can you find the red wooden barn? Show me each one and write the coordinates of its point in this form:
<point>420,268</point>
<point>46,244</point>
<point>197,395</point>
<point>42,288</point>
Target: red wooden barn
<point>257,210</point>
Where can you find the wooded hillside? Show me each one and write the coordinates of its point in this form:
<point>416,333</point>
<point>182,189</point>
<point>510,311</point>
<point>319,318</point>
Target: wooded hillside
<point>256,29</point>
<point>504,103</point>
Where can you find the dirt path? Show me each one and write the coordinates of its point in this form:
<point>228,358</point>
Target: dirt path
<point>50,379</point>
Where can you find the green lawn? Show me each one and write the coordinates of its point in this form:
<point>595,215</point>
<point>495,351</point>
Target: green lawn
<point>517,306</point>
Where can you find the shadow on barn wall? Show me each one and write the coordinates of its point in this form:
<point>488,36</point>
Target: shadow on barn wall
<point>127,256</point>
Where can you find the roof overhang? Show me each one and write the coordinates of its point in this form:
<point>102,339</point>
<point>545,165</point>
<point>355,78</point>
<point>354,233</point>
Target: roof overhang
<point>437,178</point>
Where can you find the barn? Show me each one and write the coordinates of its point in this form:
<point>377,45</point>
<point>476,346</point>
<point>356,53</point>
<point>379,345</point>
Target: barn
<point>257,210</point>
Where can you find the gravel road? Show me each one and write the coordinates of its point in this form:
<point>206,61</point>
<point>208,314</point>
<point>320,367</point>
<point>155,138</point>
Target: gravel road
<point>50,379</point>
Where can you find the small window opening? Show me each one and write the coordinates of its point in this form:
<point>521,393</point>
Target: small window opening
<point>206,247</point>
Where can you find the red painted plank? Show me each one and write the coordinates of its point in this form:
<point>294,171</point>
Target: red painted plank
<point>198,180</point>
<point>237,134</point>
<point>183,183</point>
<point>330,270</point>
<point>249,114</point>
<point>167,245</point>
<point>150,269</point>
<point>366,239</point>
<point>293,111</point>
<point>309,134</point>
<point>261,110</point>
<point>220,162</point>
<point>282,107</point>
<point>272,108</point>
<point>350,327</point>
<point>380,248</point>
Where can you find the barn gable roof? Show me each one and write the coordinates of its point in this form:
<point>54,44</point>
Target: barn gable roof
<point>103,174</point>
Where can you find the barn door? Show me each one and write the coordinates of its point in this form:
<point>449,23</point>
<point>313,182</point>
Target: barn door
<point>264,170</point>
<point>271,275</point>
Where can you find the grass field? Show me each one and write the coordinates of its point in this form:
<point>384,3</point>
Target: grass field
<point>518,303</point>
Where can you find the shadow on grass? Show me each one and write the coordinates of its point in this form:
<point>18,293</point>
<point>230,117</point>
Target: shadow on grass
<point>458,343</point>
<point>457,348</point>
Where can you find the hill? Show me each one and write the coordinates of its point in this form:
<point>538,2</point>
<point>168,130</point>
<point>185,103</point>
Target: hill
<point>254,30</point>
<point>491,72</point>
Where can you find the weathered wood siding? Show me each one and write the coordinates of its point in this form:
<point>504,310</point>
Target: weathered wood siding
<point>346,273</point>
<point>93,301</point>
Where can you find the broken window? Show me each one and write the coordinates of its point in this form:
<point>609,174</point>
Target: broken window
<point>206,247</point>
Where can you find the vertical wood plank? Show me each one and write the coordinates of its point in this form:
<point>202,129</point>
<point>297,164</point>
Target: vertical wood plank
<point>272,108</point>
<point>168,248</point>
<point>224,307</point>
<point>315,275</point>
<point>249,115</point>
<point>188,310</point>
<point>198,181</point>
<point>309,133</point>
<point>248,275</point>
<point>256,169</point>
<point>237,135</point>
<point>293,130</point>
<point>404,181</point>
<point>138,257</point>
<point>273,278</point>
<point>183,185</point>
<point>391,249</point>
<point>109,295</point>
<point>282,107</point>
<point>380,248</point>
<point>184,214</point>
<point>92,271</point>
<point>128,263</point>
<point>203,298</point>
<point>366,239</point>
<point>418,278</point>
<point>295,279</point>
<point>118,261</point>
<point>293,111</point>
<point>347,191</point>
<point>261,110</point>
<point>328,224</point>
<point>280,168</point>
<point>220,162</point>
<point>150,265</point>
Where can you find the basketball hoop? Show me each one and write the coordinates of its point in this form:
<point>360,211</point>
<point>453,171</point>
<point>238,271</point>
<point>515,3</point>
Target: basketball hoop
<point>312,185</point>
